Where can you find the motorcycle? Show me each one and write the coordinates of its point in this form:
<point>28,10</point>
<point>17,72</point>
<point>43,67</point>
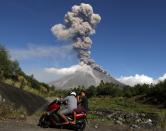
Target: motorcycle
<point>51,118</point>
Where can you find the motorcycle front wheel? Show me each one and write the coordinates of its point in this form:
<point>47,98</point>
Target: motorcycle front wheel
<point>44,122</point>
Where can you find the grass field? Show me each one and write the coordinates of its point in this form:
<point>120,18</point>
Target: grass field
<point>127,105</point>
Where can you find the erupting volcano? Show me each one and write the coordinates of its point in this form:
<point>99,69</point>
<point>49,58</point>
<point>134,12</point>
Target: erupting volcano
<point>79,25</point>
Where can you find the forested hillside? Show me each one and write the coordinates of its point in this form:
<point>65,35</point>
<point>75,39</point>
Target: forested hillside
<point>12,74</point>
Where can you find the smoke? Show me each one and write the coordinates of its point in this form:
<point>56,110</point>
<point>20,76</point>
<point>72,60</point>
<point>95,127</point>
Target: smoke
<point>69,70</point>
<point>79,25</point>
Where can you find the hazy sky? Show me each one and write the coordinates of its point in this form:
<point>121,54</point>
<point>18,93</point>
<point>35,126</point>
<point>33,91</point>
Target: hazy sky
<point>131,38</point>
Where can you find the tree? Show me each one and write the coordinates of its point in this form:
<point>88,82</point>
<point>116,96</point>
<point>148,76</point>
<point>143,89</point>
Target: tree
<point>91,91</point>
<point>4,61</point>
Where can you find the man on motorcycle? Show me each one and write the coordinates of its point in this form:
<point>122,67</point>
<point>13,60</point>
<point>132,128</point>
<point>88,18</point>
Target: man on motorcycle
<point>82,103</point>
<point>71,105</point>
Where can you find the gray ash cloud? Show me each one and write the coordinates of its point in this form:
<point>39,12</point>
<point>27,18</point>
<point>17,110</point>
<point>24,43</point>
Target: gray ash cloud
<point>79,24</point>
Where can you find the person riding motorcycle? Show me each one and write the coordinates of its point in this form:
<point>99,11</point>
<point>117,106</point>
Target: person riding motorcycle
<point>71,106</point>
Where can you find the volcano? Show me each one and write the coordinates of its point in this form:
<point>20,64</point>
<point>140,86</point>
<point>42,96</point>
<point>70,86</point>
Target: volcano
<point>84,76</point>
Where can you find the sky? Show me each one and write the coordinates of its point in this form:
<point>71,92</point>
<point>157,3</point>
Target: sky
<point>129,42</point>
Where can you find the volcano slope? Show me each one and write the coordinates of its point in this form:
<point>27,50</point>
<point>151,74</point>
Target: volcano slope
<point>84,76</point>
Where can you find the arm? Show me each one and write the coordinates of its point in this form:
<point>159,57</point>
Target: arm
<point>79,100</point>
<point>65,99</point>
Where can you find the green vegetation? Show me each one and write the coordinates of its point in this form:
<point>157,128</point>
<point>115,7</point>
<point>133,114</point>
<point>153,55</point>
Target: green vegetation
<point>11,73</point>
<point>151,94</point>
<point>124,104</point>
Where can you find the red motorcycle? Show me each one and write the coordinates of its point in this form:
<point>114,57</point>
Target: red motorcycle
<point>51,118</point>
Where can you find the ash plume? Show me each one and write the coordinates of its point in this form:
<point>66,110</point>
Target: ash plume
<point>79,25</point>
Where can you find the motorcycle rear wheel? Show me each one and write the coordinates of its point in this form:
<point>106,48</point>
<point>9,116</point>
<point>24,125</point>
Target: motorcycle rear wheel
<point>80,125</point>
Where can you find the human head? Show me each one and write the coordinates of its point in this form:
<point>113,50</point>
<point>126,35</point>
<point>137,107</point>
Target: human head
<point>82,93</point>
<point>73,93</point>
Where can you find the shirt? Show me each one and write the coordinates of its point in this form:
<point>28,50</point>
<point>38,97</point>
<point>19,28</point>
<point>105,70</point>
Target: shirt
<point>71,102</point>
<point>84,102</point>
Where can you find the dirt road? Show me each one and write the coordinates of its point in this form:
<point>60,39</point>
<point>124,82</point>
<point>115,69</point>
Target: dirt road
<point>25,126</point>
<point>31,125</point>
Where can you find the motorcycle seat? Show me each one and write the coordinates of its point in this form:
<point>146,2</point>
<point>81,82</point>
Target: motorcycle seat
<point>82,115</point>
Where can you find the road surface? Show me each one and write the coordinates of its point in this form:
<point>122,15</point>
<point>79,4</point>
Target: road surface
<point>13,125</point>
